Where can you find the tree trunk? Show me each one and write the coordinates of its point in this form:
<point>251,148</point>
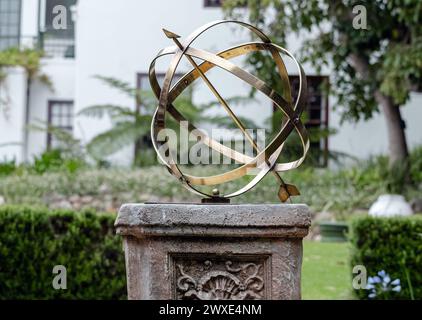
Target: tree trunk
<point>397,144</point>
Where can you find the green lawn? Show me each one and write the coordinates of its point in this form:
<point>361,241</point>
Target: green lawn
<point>326,272</point>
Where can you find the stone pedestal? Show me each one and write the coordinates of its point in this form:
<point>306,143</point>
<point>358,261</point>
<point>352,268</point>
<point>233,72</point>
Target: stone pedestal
<point>213,251</point>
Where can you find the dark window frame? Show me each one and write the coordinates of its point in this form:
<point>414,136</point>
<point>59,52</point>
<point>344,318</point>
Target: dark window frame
<point>218,4</point>
<point>324,111</point>
<point>145,75</point>
<point>18,35</point>
<point>212,4</point>
<point>50,105</point>
<point>138,103</point>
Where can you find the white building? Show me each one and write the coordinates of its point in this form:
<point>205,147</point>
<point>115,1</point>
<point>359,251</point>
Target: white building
<point>119,39</point>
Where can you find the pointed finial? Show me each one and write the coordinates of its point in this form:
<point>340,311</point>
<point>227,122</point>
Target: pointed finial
<point>170,34</point>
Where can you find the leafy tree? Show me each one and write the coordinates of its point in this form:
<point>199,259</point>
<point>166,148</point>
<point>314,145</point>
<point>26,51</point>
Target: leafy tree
<point>128,125</point>
<point>133,126</point>
<point>372,68</point>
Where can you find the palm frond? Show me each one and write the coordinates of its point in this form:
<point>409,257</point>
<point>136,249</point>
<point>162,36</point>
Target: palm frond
<point>69,143</point>
<point>127,88</point>
<point>59,133</point>
<point>227,122</point>
<point>148,105</point>
<point>116,138</point>
<point>189,110</point>
<point>236,100</point>
<point>130,125</point>
<point>117,84</point>
<point>138,119</point>
<point>98,111</point>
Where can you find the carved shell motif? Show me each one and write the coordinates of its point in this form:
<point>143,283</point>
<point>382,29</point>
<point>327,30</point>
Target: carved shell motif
<point>221,285</point>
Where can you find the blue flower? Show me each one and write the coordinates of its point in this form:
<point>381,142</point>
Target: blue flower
<point>374,280</point>
<point>396,289</point>
<point>396,282</point>
<point>382,283</point>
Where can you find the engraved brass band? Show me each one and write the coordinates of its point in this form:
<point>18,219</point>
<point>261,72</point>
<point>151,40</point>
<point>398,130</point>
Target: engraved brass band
<point>266,159</point>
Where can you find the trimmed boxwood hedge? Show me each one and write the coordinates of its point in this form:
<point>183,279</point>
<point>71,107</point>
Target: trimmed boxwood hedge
<point>393,245</point>
<point>34,240</point>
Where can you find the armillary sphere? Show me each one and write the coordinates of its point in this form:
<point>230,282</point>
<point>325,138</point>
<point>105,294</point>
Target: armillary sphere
<point>266,160</point>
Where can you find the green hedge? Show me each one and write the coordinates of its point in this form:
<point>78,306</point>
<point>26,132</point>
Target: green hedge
<point>393,245</point>
<point>34,240</point>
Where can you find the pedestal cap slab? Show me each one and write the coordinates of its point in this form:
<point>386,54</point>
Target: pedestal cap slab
<point>234,220</point>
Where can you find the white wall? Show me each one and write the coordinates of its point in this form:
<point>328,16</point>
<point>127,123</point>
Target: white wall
<point>364,139</point>
<point>12,115</point>
<point>12,125</point>
<point>412,114</point>
<point>61,73</point>
<point>119,39</point>
<point>29,19</point>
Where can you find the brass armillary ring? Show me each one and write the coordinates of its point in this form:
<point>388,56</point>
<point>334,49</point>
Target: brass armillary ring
<point>265,160</point>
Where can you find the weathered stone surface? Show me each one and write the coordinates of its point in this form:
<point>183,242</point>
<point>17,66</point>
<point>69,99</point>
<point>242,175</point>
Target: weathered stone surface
<point>189,251</point>
<point>263,220</point>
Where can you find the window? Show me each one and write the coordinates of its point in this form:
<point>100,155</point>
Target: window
<point>58,42</point>
<point>212,3</point>
<point>219,3</point>
<point>60,115</point>
<point>143,79</point>
<point>317,115</point>
<point>142,83</point>
<point>10,18</point>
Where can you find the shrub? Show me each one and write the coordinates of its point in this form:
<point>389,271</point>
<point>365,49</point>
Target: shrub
<point>339,191</point>
<point>7,167</point>
<point>416,165</point>
<point>393,245</point>
<point>55,160</point>
<point>34,240</point>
